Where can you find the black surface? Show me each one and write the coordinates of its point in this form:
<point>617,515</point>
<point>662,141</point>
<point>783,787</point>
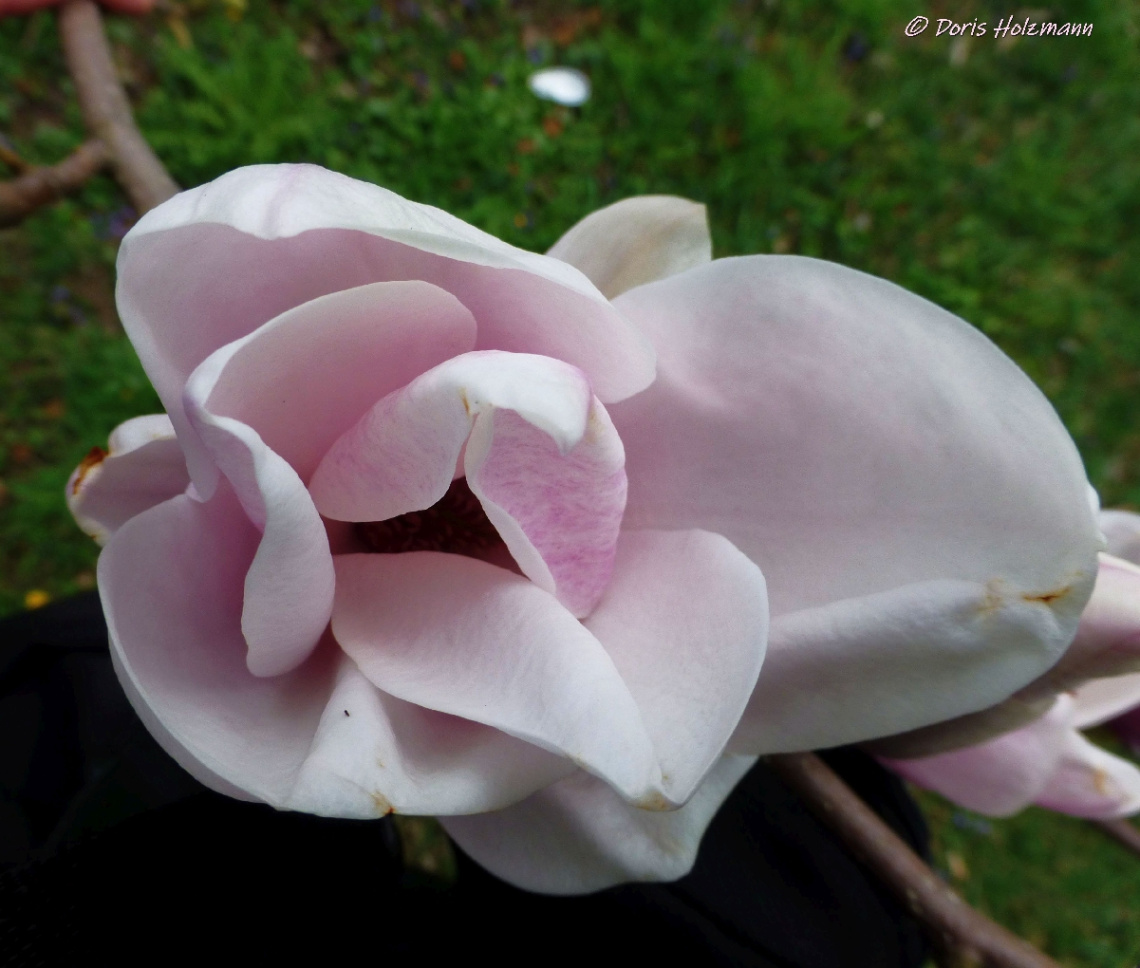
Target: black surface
<point>108,850</point>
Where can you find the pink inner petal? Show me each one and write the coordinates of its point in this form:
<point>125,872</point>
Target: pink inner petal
<point>559,514</point>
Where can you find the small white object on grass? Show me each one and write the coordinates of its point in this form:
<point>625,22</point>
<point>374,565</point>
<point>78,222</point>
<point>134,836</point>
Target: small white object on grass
<point>564,85</point>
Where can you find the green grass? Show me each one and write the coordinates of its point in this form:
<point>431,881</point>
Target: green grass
<point>1056,881</point>
<point>998,179</point>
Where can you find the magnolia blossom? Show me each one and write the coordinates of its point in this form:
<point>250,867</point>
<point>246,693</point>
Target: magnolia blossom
<point>436,525</point>
<point>1030,749</point>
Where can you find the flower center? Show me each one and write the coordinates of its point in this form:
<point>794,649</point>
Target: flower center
<point>456,524</point>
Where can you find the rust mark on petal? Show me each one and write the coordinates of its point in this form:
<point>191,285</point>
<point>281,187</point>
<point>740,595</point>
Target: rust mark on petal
<point>1048,598</point>
<point>383,807</point>
<point>1100,781</point>
<point>655,802</point>
<point>993,598</point>
<point>94,457</point>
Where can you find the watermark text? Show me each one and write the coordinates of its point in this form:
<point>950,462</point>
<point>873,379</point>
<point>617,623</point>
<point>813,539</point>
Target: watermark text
<point>1005,27</point>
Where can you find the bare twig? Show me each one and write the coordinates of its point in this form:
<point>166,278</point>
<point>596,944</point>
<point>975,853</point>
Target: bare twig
<point>106,111</point>
<point>11,157</point>
<point>1122,830</point>
<point>40,186</point>
<point>964,936</point>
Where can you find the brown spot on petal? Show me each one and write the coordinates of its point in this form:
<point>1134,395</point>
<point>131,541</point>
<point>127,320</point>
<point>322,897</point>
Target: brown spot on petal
<point>383,807</point>
<point>993,598</point>
<point>1048,598</point>
<point>655,802</point>
<point>1100,781</point>
<point>94,457</point>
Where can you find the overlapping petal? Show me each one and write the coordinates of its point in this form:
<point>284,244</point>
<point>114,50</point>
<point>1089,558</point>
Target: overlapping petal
<point>469,639</point>
<point>318,739</point>
<point>1122,533</point>
<point>637,240</point>
<point>578,836</point>
<point>289,583</point>
<point>1046,762</point>
<point>1002,776</point>
<point>142,467</point>
<point>847,436</point>
<point>305,377</point>
<point>1090,782</point>
<point>685,621</point>
<point>261,240</point>
<point>1100,700</point>
<point>1107,642</point>
<point>543,458</point>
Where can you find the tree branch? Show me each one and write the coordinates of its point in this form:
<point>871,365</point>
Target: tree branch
<point>964,936</point>
<point>106,111</point>
<point>40,186</point>
<point>1122,831</point>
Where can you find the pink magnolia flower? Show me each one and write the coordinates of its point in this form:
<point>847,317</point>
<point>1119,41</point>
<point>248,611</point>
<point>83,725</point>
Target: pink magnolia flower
<point>437,525</point>
<point>1030,749</point>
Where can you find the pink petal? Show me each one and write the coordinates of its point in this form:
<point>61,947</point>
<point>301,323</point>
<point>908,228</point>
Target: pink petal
<point>884,664</point>
<point>171,581</point>
<point>412,760</point>
<point>305,377</point>
<point>558,514</point>
<point>578,836</point>
<point>289,584</point>
<point>1100,700</point>
<point>1090,782</point>
<point>467,638</point>
<point>962,731</point>
<point>543,459</point>
<point>637,240</point>
<point>144,467</point>
<point>214,263</point>
<point>1122,532</point>
<point>685,621</point>
<point>853,439</point>
<point>1002,776</point>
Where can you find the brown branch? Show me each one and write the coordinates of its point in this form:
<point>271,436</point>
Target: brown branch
<point>106,111</point>
<point>40,186</point>
<point>964,936</point>
<point>11,158</point>
<point>1123,831</point>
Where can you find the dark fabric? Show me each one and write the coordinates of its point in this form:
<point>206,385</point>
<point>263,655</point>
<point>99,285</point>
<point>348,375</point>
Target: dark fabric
<point>109,850</point>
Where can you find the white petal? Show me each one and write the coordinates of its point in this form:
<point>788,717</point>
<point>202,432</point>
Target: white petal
<point>578,836</point>
<point>636,241</point>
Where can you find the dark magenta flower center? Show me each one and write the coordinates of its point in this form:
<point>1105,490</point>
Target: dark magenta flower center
<point>456,523</point>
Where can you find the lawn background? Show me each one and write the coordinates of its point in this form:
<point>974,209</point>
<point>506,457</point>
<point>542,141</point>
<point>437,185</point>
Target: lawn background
<point>997,177</point>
